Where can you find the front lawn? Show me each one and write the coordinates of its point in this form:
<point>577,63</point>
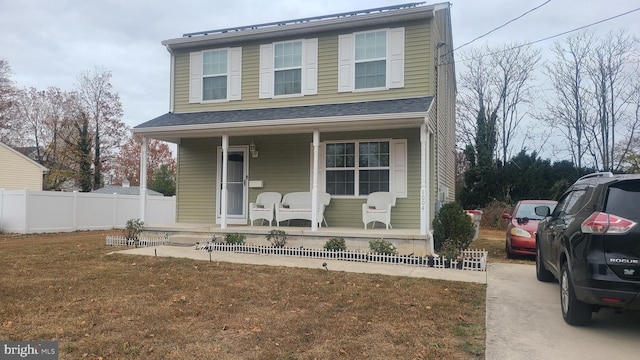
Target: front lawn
<point>64,287</point>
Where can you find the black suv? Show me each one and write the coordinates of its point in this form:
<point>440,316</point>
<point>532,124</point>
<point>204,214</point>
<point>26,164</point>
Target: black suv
<point>591,244</point>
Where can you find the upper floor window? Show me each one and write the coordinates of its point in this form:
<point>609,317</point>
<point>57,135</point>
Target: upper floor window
<point>214,71</point>
<point>371,60</point>
<point>289,68</point>
<point>215,75</point>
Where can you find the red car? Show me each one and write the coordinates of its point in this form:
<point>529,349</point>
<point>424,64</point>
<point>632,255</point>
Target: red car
<point>522,227</point>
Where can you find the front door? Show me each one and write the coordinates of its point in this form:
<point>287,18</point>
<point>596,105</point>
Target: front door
<point>236,185</point>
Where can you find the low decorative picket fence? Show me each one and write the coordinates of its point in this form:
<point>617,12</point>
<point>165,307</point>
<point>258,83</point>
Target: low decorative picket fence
<point>472,259</point>
<point>142,242</point>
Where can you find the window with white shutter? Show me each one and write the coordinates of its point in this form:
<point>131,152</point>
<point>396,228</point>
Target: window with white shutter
<point>215,75</point>
<point>289,68</point>
<point>359,167</point>
<point>371,60</point>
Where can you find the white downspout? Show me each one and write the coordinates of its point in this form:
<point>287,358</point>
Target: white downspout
<point>424,186</point>
<point>143,179</point>
<point>172,63</point>
<point>314,186</point>
<point>223,193</point>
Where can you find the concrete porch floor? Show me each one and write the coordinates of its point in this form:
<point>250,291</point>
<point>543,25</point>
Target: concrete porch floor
<point>407,241</point>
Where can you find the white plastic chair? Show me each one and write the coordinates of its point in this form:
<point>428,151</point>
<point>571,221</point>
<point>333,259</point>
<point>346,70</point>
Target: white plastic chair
<point>264,206</point>
<point>378,208</point>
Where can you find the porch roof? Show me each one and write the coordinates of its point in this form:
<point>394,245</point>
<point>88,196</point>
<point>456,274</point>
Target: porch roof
<point>377,114</point>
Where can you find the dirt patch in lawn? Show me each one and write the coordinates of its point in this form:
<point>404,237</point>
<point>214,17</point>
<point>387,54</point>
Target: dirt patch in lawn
<point>66,288</point>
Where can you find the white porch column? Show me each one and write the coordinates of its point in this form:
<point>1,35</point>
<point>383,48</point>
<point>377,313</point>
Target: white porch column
<point>314,186</point>
<point>425,201</point>
<point>223,193</point>
<point>143,179</point>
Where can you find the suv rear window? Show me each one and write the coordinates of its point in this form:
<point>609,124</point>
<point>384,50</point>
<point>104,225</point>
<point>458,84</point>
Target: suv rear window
<point>623,199</point>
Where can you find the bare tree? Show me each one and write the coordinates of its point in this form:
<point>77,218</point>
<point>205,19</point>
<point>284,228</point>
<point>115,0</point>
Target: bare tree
<point>32,107</point>
<point>60,158</point>
<point>45,118</point>
<point>7,100</point>
<point>104,111</point>
<point>569,110</point>
<point>612,71</point>
<point>476,93</point>
<point>498,81</point>
<point>515,65</point>
<point>628,149</point>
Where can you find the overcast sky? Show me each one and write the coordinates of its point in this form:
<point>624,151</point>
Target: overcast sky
<point>49,42</point>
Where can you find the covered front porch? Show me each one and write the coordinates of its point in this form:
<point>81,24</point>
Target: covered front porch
<point>226,159</point>
<point>407,241</point>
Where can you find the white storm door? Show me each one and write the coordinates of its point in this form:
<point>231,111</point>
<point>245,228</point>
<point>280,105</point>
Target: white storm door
<point>237,169</point>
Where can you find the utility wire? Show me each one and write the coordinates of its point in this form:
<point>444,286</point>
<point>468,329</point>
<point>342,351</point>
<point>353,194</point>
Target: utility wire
<point>503,25</point>
<point>556,35</point>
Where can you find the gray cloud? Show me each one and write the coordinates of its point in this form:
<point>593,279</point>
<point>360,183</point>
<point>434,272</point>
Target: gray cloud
<point>48,43</point>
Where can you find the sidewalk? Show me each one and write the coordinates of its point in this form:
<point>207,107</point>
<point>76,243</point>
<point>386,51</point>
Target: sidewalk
<point>332,265</point>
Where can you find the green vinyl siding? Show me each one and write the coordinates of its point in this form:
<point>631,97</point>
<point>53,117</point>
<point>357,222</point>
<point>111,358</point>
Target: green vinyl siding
<point>446,107</point>
<point>418,70</point>
<point>284,165</point>
<point>196,185</point>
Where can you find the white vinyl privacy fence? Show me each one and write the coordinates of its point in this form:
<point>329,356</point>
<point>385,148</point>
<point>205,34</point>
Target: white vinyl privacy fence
<point>29,211</point>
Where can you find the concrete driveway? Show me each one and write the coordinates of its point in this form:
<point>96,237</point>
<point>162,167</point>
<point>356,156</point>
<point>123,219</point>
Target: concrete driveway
<point>524,321</point>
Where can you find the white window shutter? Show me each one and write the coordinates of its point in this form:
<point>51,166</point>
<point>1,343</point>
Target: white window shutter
<point>395,56</point>
<point>345,63</point>
<point>195,77</point>
<point>266,71</point>
<point>398,165</point>
<point>310,67</point>
<point>234,71</point>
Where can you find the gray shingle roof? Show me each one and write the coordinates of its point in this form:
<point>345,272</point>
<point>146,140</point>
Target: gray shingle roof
<point>131,190</point>
<point>412,105</point>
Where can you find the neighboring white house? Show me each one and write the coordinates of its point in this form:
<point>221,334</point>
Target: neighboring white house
<point>18,172</point>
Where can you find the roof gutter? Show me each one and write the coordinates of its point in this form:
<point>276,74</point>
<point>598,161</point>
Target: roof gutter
<point>287,126</point>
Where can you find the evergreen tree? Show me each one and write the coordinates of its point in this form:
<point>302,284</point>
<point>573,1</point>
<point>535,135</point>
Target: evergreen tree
<point>482,184</point>
<point>83,153</point>
<point>163,181</point>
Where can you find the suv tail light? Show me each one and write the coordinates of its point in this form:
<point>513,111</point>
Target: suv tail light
<point>603,223</point>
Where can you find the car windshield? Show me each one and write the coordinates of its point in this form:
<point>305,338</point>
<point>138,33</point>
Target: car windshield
<point>529,210</point>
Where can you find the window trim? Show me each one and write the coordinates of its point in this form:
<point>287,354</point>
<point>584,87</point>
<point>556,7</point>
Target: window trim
<point>395,53</point>
<point>371,60</point>
<point>398,175</point>
<point>234,76</point>
<point>226,75</point>
<point>309,69</point>
<point>299,67</point>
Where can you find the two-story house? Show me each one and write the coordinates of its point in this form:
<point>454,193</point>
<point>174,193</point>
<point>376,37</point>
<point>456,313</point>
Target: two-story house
<point>347,104</point>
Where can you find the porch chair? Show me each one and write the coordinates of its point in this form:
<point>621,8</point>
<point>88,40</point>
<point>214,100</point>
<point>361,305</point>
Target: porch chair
<point>264,206</point>
<point>378,208</point>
